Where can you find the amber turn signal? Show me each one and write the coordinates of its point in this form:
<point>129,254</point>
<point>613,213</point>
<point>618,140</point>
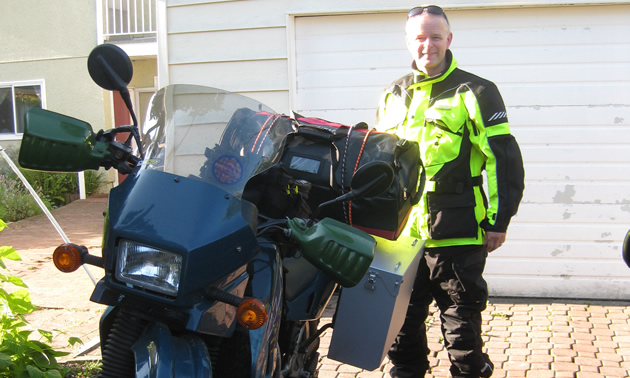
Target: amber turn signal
<point>251,313</point>
<point>67,257</point>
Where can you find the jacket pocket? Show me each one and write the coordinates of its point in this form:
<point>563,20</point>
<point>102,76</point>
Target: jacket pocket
<point>443,133</point>
<point>449,115</point>
<point>452,215</point>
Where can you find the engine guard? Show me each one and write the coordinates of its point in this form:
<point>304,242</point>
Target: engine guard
<point>160,354</point>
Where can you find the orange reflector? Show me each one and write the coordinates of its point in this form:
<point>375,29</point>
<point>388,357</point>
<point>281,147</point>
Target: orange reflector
<point>67,258</point>
<point>251,313</point>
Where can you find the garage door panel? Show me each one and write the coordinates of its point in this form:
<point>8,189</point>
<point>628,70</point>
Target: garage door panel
<point>535,95</point>
<point>544,58</point>
<point>565,250</point>
<point>521,72</point>
<point>563,209</point>
<point>612,232</point>
<point>558,267</point>
<point>542,17</point>
<point>575,154</point>
<point>350,24</point>
<point>563,74</point>
<point>569,135</point>
<point>573,121</point>
<point>565,94</point>
<point>543,38</point>
<point>610,192</point>
<point>554,287</point>
<point>348,42</point>
<point>544,171</point>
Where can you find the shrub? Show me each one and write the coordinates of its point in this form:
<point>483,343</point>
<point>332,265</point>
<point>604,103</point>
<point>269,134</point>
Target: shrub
<point>15,200</point>
<point>17,203</point>
<point>52,185</point>
<point>55,186</point>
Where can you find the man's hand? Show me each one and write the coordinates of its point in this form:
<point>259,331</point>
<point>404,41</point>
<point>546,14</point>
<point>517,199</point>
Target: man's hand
<point>494,240</point>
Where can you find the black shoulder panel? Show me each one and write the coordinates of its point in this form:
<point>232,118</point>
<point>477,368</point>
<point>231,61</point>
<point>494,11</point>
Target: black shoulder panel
<point>487,94</point>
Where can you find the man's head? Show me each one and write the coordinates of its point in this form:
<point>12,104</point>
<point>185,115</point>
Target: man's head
<point>428,36</point>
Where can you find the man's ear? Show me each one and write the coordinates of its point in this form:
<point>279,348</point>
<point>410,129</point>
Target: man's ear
<point>449,39</point>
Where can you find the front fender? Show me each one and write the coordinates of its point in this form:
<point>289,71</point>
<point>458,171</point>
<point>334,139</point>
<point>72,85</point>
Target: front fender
<point>160,354</point>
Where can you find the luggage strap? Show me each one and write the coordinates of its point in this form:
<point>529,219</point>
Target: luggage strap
<point>265,129</point>
<point>356,166</point>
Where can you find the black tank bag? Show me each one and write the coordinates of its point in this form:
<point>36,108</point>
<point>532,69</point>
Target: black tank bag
<point>327,154</point>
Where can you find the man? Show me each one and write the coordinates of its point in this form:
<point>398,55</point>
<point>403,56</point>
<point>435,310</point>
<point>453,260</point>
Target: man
<point>460,123</point>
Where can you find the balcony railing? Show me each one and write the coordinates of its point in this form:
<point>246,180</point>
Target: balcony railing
<point>125,20</point>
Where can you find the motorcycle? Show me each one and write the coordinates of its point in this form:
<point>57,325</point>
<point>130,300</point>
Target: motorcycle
<point>197,282</point>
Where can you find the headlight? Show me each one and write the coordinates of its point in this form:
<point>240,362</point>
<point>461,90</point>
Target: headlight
<point>151,268</point>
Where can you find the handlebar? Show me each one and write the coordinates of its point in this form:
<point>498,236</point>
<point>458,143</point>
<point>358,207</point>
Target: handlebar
<point>121,154</point>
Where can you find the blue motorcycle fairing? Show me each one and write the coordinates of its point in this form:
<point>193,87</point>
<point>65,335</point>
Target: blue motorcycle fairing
<point>266,283</point>
<point>159,354</point>
<point>188,216</point>
<point>218,318</point>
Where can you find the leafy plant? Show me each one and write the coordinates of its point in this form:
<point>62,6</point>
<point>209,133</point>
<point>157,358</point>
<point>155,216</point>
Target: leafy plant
<point>20,354</point>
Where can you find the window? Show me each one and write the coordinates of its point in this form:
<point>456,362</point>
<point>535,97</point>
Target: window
<point>15,100</point>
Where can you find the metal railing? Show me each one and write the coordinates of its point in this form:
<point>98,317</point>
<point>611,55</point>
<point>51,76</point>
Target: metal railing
<point>129,19</point>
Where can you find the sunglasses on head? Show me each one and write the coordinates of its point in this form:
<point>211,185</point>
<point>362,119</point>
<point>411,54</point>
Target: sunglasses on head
<point>432,9</point>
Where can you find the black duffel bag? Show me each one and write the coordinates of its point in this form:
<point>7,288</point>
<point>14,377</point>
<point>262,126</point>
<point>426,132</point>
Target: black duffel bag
<point>327,154</point>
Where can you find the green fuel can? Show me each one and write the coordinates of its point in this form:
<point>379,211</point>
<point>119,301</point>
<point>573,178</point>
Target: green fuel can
<point>341,251</point>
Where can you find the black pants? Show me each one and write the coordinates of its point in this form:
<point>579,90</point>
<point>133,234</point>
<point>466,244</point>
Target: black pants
<point>453,277</point>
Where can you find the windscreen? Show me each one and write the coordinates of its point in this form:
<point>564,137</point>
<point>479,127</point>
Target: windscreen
<point>216,136</point>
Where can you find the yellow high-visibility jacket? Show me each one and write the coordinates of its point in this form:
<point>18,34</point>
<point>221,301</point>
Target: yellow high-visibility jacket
<point>460,123</point>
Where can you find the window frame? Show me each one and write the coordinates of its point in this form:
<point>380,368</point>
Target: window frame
<point>22,83</point>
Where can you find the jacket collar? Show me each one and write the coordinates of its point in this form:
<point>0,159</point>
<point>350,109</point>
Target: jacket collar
<point>420,78</point>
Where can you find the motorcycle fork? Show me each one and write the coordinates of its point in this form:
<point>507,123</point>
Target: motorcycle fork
<point>118,358</point>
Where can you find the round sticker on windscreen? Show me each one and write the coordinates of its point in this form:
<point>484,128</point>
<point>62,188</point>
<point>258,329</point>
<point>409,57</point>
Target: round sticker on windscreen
<point>227,169</point>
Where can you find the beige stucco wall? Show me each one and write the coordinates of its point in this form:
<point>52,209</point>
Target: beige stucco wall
<point>51,41</point>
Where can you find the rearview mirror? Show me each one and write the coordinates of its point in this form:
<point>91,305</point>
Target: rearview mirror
<point>372,179</point>
<point>110,67</point>
<point>55,142</point>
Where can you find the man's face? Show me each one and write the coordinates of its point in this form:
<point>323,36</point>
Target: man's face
<point>428,37</point>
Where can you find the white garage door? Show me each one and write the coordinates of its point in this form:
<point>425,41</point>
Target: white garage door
<point>564,76</point>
